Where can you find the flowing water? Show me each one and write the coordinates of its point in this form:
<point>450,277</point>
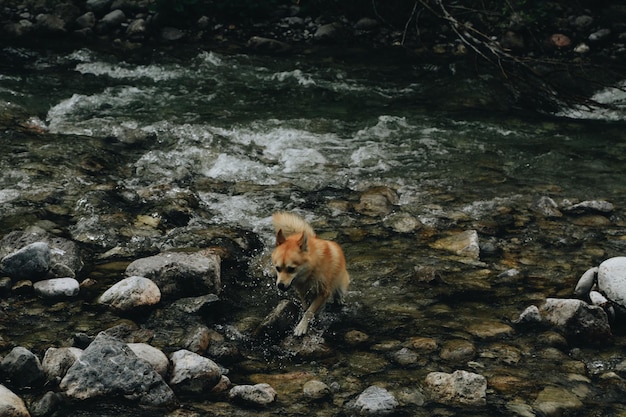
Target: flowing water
<point>130,156</point>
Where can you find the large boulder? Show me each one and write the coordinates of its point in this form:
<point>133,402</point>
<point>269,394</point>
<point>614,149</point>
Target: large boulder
<point>179,274</point>
<point>22,368</point>
<point>108,367</point>
<point>612,279</point>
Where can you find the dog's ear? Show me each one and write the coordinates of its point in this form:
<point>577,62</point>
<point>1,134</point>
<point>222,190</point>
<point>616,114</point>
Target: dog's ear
<point>304,242</point>
<point>280,237</point>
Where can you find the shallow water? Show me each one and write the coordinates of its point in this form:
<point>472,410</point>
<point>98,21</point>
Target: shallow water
<point>227,140</point>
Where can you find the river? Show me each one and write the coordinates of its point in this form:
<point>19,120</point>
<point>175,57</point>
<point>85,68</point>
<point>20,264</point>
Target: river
<point>126,155</point>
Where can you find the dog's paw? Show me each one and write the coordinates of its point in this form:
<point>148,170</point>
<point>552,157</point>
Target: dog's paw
<point>301,328</point>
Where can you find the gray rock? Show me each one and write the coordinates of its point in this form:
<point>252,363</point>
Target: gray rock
<point>463,244</point>
<point>547,207</point>
<point>583,22</point>
<point>87,20</point>
<point>57,287</point>
<point>405,357</point>
<point>375,401</point>
<point>171,34</point>
<point>46,405</point>
<point>591,206</point>
<point>22,368</point>
<point>111,21</point>
<point>257,395</point>
<point>108,368</point>
<point>31,262</point>
<point>576,319</point>
<point>328,33</point>
<point>460,388</point>
<point>402,223</point>
<point>180,274</point>
<point>599,35</point>
<point>131,293</point>
<point>193,373</point>
<point>49,23</point>
<point>11,405</point>
<point>377,201</point>
<point>98,6</point>
<point>612,279</point>
<point>137,30</point>
<point>555,401</point>
<point>259,43</point>
<point>56,361</point>
<point>366,23</point>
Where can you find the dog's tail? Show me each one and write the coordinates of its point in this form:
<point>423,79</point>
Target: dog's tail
<point>291,224</point>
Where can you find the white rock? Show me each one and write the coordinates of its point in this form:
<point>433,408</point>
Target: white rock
<point>130,293</point>
<point>612,279</point>
<point>57,287</point>
<point>193,373</point>
<point>375,401</point>
<point>153,356</point>
<point>11,405</point>
<point>259,394</point>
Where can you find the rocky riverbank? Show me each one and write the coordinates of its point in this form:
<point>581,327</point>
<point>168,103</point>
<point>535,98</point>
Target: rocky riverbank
<point>573,32</point>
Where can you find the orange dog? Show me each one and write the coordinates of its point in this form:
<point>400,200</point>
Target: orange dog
<point>316,268</point>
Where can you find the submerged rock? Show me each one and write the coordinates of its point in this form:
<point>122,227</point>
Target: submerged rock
<point>463,244</point>
<point>316,390</point>
<point>108,367</point>
<point>257,395</point>
<point>375,401</point>
<point>460,388</point>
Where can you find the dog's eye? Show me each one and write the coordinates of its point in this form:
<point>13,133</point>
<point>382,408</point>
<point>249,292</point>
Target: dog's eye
<point>278,269</point>
<point>291,269</point>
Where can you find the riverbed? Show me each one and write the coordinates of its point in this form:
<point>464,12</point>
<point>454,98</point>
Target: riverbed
<point>164,151</point>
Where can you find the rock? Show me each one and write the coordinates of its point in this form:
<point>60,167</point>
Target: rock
<point>463,244</point>
<point>599,35</point>
<point>56,362</point>
<point>98,6</point>
<point>137,30</point>
<point>460,388</point>
<point>108,367</point>
<point>366,24</point>
<point>377,201</point>
<point>111,21</point>
<point>193,373</point>
<point>590,207</point>
<point>405,357</point>
<point>170,34</point>
<point>576,319</point>
<point>582,48</point>
<point>530,315</point>
<point>11,405</point>
<point>402,223</point>
<point>31,262</point>
<point>195,305</point>
<point>256,395</point>
<point>46,405</point>
<point>356,338</point>
<point>559,40</point>
<point>131,293</point>
<point>49,24</point>
<point>57,287</point>
<point>259,43</point>
<point>316,390</point>
<point>153,356</point>
<point>197,340</point>
<point>22,368</point>
<point>547,207</point>
<point>328,33</point>
<point>458,350</point>
<point>612,279</point>
<point>583,22</point>
<point>556,401</point>
<point>86,21</point>
<point>180,274</point>
<point>375,401</point>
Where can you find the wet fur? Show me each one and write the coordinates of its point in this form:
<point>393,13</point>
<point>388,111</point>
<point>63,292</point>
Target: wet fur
<point>314,267</point>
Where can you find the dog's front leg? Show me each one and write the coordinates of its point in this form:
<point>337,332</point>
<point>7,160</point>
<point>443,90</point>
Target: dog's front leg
<point>303,326</point>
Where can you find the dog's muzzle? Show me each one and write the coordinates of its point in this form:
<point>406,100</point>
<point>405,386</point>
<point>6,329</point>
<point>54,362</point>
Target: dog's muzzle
<point>282,286</point>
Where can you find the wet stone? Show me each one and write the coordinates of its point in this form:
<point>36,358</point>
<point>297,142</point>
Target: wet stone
<point>131,293</point>
<point>257,395</point>
<point>356,338</point>
<point>56,361</point>
<point>374,401</point>
<point>405,357</point>
<point>460,388</point>
<point>316,390</point>
<point>612,279</point>
<point>458,350</point>
<point>462,244</point>
<point>12,405</point>
<point>31,262</point>
<point>192,373</point>
<point>22,368</point>
<point>57,287</point>
<point>554,401</point>
<point>577,319</point>
<point>153,356</point>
